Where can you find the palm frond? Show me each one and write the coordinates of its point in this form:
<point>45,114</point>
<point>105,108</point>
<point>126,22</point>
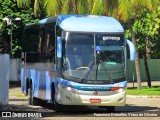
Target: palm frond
<point>97,7</point>
<point>82,7</point>
<point>52,7</point>
<point>89,4</point>
<point>124,10</point>
<point>110,7</point>
<point>65,7</point>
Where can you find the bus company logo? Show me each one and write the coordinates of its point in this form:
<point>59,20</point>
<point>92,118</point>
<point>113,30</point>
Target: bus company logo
<point>95,93</point>
<point>110,38</point>
<point>21,115</point>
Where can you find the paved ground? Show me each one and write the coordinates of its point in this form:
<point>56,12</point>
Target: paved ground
<point>148,107</point>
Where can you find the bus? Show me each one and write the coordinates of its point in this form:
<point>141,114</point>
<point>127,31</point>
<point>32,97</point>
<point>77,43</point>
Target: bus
<point>76,60</point>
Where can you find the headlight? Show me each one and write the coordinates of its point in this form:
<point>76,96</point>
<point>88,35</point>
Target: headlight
<point>70,89</point>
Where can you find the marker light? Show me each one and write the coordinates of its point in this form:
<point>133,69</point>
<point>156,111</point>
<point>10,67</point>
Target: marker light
<point>119,89</point>
<point>114,88</point>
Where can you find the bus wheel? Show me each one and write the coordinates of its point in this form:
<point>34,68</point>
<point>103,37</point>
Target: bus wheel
<point>59,107</point>
<point>31,100</point>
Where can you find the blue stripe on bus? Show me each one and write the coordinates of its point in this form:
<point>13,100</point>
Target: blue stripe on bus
<point>90,87</point>
<point>48,86</point>
<point>35,77</point>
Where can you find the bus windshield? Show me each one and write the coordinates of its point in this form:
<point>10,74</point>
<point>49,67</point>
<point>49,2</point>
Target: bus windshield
<point>93,57</point>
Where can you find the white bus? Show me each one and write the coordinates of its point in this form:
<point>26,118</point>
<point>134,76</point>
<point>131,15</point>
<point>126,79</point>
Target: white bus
<point>76,60</point>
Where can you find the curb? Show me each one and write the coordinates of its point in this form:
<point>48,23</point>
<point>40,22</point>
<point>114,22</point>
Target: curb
<point>141,96</point>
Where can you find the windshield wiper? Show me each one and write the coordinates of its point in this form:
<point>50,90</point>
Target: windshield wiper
<point>85,73</point>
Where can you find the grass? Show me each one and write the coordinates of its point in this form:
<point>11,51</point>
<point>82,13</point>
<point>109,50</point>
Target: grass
<point>19,95</point>
<point>154,90</point>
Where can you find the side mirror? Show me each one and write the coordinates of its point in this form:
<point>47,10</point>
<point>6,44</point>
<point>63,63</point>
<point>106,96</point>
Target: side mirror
<point>59,47</point>
<point>132,50</point>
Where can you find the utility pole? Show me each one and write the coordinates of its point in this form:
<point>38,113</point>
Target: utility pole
<point>10,22</point>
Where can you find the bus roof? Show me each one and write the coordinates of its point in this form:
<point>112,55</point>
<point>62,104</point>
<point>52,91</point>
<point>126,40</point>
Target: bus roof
<point>89,23</point>
<point>82,23</point>
<point>42,22</point>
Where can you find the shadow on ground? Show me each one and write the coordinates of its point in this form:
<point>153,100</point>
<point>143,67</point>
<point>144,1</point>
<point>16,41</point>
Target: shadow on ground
<point>48,109</point>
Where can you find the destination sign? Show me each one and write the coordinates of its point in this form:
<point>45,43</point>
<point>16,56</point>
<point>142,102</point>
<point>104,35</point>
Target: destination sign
<point>111,38</point>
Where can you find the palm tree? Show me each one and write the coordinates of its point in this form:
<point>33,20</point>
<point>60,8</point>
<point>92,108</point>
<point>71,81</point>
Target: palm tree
<point>129,12</point>
<point>36,4</point>
<point>97,7</point>
<point>65,7</point>
<point>84,6</point>
<point>38,8</point>
<point>53,7</point>
<point>104,7</point>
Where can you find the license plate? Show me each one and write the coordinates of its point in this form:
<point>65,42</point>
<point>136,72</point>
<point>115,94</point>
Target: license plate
<point>95,100</point>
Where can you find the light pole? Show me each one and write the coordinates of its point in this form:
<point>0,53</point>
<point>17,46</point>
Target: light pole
<point>10,22</point>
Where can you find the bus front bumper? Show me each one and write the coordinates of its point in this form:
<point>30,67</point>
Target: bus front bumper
<point>94,98</point>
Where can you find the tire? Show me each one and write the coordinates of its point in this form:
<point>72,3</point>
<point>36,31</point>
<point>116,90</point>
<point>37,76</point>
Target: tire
<point>31,100</point>
<point>52,93</point>
<point>59,107</point>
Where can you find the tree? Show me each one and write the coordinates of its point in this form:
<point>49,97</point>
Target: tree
<point>129,12</point>
<point>100,7</point>
<point>65,7</point>
<point>9,9</point>
<point>52,7</point>
<point>147,29</point>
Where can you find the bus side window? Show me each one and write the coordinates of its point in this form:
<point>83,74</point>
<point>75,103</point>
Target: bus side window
<point>30,44</point>
<point>48,48</point>
<point>30,40</point>
<point>41,41</point>
<point>52,42</point>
